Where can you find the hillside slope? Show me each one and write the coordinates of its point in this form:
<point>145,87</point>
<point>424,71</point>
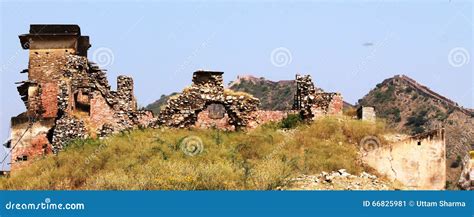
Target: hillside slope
<point>413,108</point>
<point>181,159</point>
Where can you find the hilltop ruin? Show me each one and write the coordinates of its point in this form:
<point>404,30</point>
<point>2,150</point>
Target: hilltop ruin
<point>68,97</point>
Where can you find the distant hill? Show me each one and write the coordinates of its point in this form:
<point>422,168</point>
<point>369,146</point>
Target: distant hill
<point>273,95</point>
<point>413,108</point>
<point>156,106</point>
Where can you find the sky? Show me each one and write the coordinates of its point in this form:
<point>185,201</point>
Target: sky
<point>347,46</point>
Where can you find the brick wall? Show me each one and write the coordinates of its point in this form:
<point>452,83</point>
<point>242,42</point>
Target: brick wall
<point>100,111</point>
<point>49,99</point>
<point>206,122</point>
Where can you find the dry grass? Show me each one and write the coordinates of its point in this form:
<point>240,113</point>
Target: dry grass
<point>152,159</point>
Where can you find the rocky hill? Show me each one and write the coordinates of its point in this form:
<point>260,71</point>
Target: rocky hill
<point>156,106</point>
<point>413,108</point>
<point>273,95</point>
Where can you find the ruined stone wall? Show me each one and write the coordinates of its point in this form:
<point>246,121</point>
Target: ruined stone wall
<point>418,162</point>
<point>100,111</point>
<point>206,121</point>
<point>125,98</point>
<point>29,139</point>
<point>67,128</point>
<point>313,103</point>
<point>91,94</point>
<point>326,104</point>
<point>265,116</point>
<point>207,88</point>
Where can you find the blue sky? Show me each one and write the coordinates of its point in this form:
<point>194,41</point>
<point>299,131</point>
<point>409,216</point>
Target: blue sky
<point>347,46</point>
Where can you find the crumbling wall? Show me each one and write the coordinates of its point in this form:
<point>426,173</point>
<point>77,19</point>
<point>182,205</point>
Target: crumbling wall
<point>29,139</point>
<point>418,162</point>
<point>100,111</point>
<point>265,116</point>
<point>326,104</point>
<point>91,95</point>
<point>207,89</point>
<point>205,120</point>
<point>67,128</point>
<point>313,103</point>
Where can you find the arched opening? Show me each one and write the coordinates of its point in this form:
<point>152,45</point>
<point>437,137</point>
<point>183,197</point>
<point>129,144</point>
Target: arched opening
<point>215,115</point>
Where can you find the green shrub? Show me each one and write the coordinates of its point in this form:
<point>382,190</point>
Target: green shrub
<point>291,121</point>
<point>417,121</point>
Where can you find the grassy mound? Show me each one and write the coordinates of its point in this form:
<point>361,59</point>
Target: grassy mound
<point>156,158</point>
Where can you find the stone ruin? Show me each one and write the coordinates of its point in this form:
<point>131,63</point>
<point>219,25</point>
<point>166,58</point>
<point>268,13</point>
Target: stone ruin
<point>366,113</point>
<point>66,96</point>
<point>215,106</point>
<point>312,103</point>
<point>206,104</point>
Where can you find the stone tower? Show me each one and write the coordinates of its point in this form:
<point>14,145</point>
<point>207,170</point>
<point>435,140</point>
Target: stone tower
<point>66,96</point>
<point>49,46</point>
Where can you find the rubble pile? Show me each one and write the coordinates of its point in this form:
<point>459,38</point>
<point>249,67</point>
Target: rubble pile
<point>67,128</point>
<point>207,88</point>
<point>338,180</point>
